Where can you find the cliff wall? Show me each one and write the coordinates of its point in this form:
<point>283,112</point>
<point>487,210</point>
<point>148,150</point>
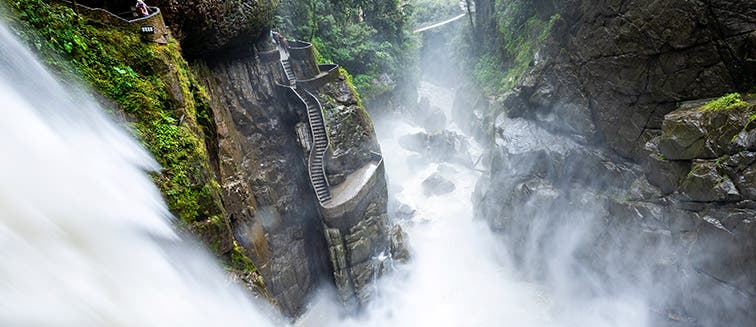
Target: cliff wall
<point>635,148</point>
<point>235,171</point>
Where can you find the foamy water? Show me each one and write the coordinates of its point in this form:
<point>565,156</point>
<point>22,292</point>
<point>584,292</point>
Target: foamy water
<point>460,274</point>
<point>85,238</point>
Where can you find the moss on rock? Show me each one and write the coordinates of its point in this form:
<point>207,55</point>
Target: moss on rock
<point>150,83</point>
<point>728,102</point>
<point>165,106</point>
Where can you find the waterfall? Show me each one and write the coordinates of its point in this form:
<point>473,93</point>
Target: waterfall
<point>461,274</point>
<point>85,238</point>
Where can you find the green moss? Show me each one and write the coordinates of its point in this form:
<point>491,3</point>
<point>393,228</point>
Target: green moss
<point>350,82</point>
<point>151,83</point>
<point>522,32</point>
<point>239,259</point>
<point>241,263</point>
<point>728,102</point>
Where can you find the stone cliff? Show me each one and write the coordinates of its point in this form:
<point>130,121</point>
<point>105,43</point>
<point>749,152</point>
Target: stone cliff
<point>624,98</point>
<point>226,128</point>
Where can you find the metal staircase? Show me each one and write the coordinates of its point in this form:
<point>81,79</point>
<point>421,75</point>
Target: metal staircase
<point>288,71</point>
<point>316,162</point>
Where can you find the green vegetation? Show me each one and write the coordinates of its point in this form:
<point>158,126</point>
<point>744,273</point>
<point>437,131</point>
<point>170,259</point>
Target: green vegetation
<point>152,85</point>
<point>167,108</point>
<point>728,102</point>
<point>427,12</point>
<point>367,37</point>
<point>350,82</point>
<point>522,30</point>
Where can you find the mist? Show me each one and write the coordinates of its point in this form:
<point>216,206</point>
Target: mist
<point>509,222</point>
<point>85,238</point>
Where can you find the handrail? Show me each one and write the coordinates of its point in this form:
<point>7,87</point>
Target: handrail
<point>313,153</point>
<point>155,11</point>
<point>297,45</point>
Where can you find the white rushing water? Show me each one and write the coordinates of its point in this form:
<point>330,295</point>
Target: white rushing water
<point>460,274</point>
<point>85,239</point>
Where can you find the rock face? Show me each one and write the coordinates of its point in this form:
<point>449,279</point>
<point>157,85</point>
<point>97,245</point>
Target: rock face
<point>620,226</point>
<point>606,130</point>
<point>273,209</point>
<point>266,190</point>
<point>612,70</point>
<point>204,27</point>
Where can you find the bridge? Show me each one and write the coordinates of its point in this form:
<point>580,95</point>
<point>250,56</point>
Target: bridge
<point>463,5</point>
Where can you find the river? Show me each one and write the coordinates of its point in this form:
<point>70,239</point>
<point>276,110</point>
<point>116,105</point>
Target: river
<point>85,239</point>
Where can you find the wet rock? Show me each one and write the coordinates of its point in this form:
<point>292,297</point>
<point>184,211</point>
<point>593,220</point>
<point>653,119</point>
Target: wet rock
<point>641,189</point>
<point>432,119</point>
<point>746,139</point>
<point>445,146</point>
<point>701,134</point>
<point>399,250</point>
<point>741,168</point>
<point>470,112</point>
<point>705,183</point>
<point>437,185</point>
<point>207,26</point>
<point>662,173</point>
<point>399,211</point>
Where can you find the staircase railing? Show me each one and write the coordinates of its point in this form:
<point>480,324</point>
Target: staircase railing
<point>290,77</point>
<point>320,142</point>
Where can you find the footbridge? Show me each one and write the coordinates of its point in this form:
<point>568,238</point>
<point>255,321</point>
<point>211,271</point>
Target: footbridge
<point>467,7</point>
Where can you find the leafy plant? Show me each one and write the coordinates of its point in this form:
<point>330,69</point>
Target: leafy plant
<point>728,102</point>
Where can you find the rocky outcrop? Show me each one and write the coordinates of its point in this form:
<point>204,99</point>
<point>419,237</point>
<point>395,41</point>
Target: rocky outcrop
<point>360,240</point>
<point>706,134</point>
<point>610,127</point>
<point>611,70</point>
<point>273,210</point>
<point>261,152</point>
<point>691,218</point>
<point>204,27</point>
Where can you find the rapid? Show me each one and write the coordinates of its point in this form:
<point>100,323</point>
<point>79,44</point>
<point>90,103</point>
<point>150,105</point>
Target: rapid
<point>85,239</point>
<point>461,274</point>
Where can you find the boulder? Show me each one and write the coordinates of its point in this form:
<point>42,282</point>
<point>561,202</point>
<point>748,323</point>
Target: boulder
<point>705,183</point>
<point>445,146</point>
<point>399,250</point>
<point>698,133</point>
<point>431,118</point>
<point>399,211</point>
<point>437,185</point>
<point>662,173</point>
<point>205,26</point>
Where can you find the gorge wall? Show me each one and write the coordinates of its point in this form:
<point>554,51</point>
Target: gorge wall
<point>225,131</point>
<point>631,148</point>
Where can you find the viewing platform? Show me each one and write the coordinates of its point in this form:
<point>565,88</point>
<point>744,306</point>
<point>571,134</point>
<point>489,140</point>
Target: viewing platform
<point>152,27</point>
